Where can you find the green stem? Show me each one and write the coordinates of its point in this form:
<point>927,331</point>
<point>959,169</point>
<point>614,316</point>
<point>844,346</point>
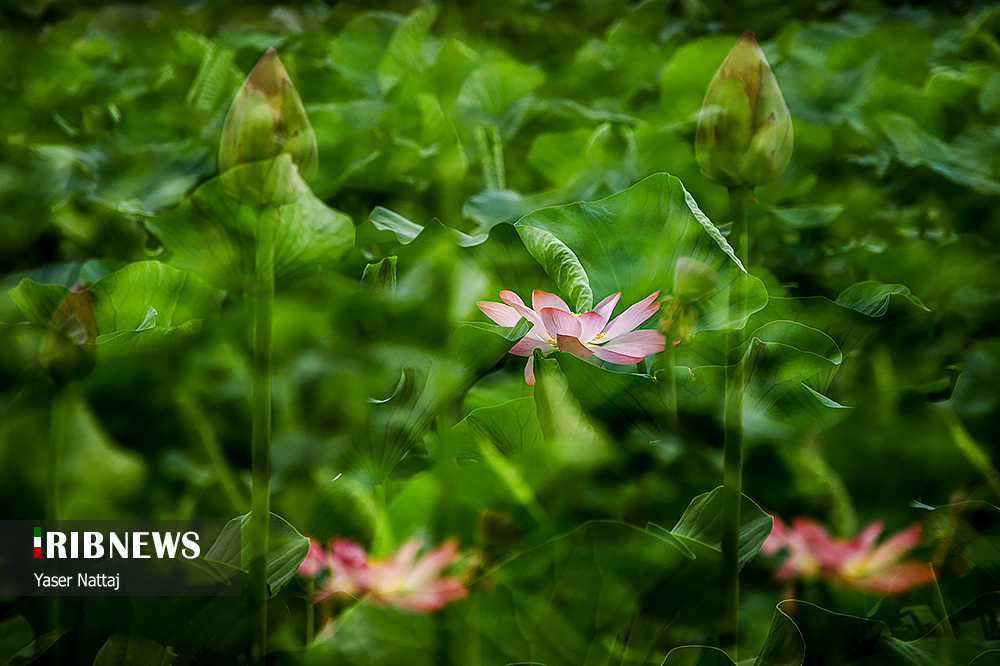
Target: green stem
<point>671,385</point>
<point>260,491</point>
<point>310,613</point>
<point>732,478</point>
<point>384,537</point>
<point>58,422</point>
<point>492,159</point>
<point>195,417</point>
<point>949,632</point>
<point>499,168</point>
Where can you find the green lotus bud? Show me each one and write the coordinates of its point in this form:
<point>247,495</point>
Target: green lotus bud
<point>744,135</point>
<point>267,119</point>
<point>693,280</point>
<point>678,320</point>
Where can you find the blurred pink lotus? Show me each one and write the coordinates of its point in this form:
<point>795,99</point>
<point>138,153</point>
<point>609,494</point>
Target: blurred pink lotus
<point>402,581</point>
<point>858,562</point>
<point>556,327</point>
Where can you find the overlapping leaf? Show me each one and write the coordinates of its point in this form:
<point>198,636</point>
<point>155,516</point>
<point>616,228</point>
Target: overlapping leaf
<point>286,549</point>
<point>630,242</point>
<point>213,233</point>
<point>566,601</point>
<point>507,429</point>
<point>395,423</point>
<point>136,308</point>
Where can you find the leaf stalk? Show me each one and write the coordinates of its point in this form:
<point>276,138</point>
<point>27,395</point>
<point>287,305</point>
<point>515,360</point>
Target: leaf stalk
<point>733,442</point>
<point>260,490</point>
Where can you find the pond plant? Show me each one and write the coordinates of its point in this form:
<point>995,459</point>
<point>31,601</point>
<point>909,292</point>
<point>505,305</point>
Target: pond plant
<point>271,302</point>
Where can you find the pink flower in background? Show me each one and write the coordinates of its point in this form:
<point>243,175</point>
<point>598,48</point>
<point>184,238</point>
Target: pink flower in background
<point>402,581</point>
<point>317,560</point>
<point>556,327</point>
<point>858,562</point>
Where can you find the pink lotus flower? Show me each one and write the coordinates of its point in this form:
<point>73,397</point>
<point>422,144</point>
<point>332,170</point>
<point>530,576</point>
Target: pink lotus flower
<point>556,327</point>
<point>858,562</point>
<point>402,581</point>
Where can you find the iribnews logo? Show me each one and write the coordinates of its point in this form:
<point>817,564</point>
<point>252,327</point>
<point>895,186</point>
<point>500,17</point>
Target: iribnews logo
<point>126,545</point>
<point>135,558</point>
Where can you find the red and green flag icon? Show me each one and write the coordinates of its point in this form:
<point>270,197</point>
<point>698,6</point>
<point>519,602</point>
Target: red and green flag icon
<point>38,542</point>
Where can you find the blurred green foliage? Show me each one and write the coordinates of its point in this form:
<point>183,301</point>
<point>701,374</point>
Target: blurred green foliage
<point>439,126</point>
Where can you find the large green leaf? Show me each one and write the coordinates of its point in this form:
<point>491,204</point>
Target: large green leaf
<point>624,402</point>
<point>631,241</point>
<point>385,226</point>
<point>874,299</point>
<point>697,655</point>
<point>358,51</point>
<point>794,408</point>
<point>988,658</point>
<point>397,422</point>
<point>809,217</point>
<point>777,391</point>
<point>561,264</point>
<point>405,54</point>
<point>148,302</point>
<point>856,313</point>
<point>37,301</point>
<point>784,645</point>
<point>802,633</point>
<point>213,233</point>
<point>133,650</point>
<point>135,308</point>
<point>833,639</point>
<point>811,335</point>
<point>576,599</point>
<point>782,354</point>
<point>286,549</point>
<point>567,600</point>
<point>913,146</point>
<point>801,408</point>
<point>976,526</point>
<point>18,643</point>
<point>15,635</point>
<point>773,368</point>
<point>569,432</point>
<point>507,428</point>
<point>586,163</point>
<point>372,635</point>
<point>702,522</point>
<point>498,94</point>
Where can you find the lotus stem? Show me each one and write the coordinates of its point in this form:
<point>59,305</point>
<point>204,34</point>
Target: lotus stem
<point>202,430</point>
<point>491,147</point>
<point>58,420</point>
<point>733,443</point>
<point>671,385</point>
<point>384,537</point>
<point>310,613</point>
<point>260,491</point>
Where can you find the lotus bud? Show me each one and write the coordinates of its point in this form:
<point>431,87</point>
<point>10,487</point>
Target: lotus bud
<point>267,119</point>
<point>693,280</point>
<point>678,320</point>
<point>744,136</point>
